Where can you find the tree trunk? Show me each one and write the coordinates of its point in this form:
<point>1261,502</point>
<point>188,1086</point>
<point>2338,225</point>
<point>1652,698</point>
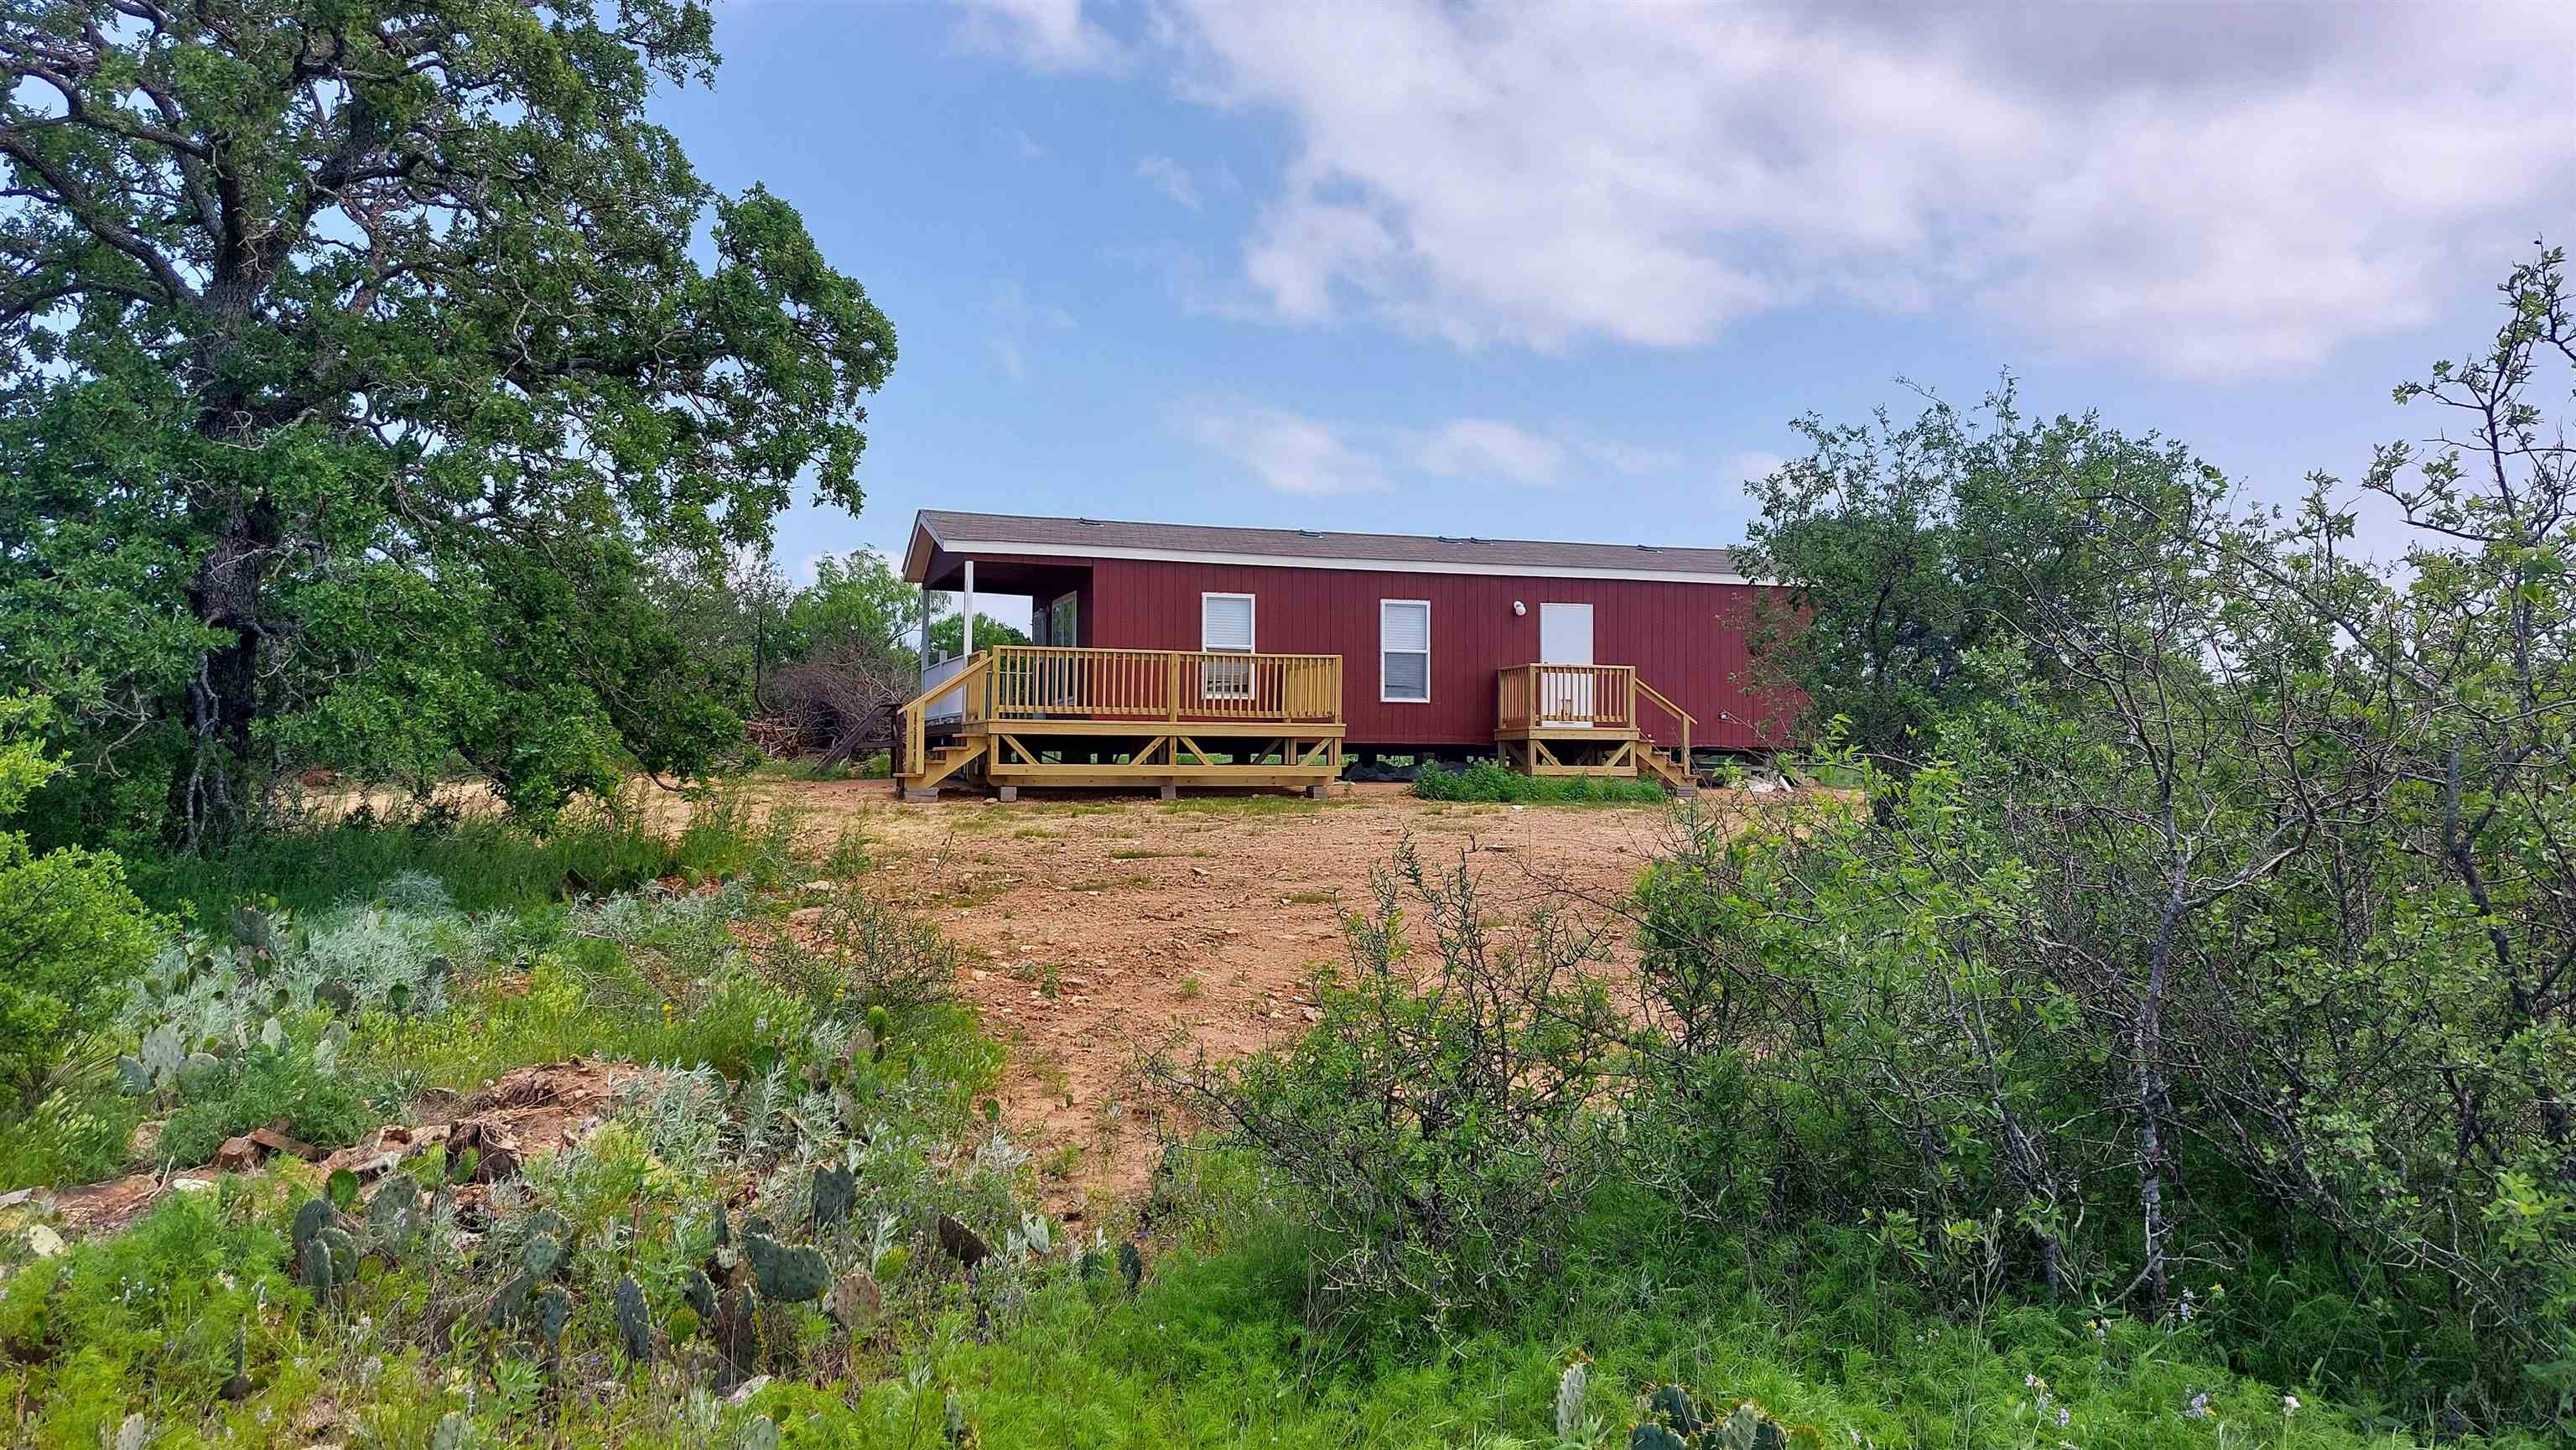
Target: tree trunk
<point>223,694</point>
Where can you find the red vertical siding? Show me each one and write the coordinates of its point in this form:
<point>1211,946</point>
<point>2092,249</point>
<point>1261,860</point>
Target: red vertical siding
<point>1687,640</point>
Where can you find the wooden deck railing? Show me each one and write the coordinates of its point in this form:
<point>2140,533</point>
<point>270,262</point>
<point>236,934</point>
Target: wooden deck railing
<point>1538,697</point>
<point>1046,682</point>
<point>1681,716</point>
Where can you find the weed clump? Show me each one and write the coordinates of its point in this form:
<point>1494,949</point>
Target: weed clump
<point>1486,780</point>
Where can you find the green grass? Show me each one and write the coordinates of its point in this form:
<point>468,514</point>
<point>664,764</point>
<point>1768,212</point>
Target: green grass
<point>1247,805</point>
<point>1484,780</point>
<point>486,865</point>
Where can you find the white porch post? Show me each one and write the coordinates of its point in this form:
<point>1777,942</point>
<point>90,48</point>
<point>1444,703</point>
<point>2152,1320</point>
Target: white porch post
<point>924,587</point>
<point>967,631</point>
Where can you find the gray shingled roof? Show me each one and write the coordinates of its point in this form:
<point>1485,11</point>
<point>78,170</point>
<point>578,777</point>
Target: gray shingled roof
<point>950,529</point>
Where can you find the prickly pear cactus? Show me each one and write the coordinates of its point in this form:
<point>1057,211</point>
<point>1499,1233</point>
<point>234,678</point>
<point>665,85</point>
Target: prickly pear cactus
<point>344,1253</point>
<point>132,1077</point>
<point>552,1311</point>
<point>542,1254</point>
<point>315,1264</point>
<point>342,1189</point>
<point>511,1301</point>
<point>1652,1436</point>
<point>1571,1389</point>
<point>835,1191</point>
<point>790,1273</point>
<point>1747,1428</point>
<point>454,1432</point>
<point>1131,1263</point>
<point>634,1319</point>
<point>310,1219</point>
<point>1671,1405</point>
<point>855,1299</point>
<point>394,1214</point>
<point>880,1031</point>
<point>758,1433</point>
<point>699,1293</point>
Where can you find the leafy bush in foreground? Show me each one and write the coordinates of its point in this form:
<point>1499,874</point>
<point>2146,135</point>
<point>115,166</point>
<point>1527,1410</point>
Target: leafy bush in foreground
<point>70,931</point>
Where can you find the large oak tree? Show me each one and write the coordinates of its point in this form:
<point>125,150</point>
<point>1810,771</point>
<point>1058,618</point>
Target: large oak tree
<point>357,354</point>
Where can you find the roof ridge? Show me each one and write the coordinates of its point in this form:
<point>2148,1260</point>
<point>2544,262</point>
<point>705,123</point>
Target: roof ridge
<point>1311,533</point>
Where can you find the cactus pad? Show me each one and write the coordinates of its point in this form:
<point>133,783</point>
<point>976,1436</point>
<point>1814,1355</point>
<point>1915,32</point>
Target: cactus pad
<point>316,1265</point>
<point>699,1293</point>
<point>793,1274</point>
<point>553,1310</point>
<point>634,1319</point>
<point>542,1254</point>
<point>310,1219</point>
<point>835,1191</point>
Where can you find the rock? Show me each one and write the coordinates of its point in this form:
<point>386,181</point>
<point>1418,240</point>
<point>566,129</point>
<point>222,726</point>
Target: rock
<point>274,1140</point>
<point>238,1155</point>
<point>43,1242</point>
<point>742,1393</point>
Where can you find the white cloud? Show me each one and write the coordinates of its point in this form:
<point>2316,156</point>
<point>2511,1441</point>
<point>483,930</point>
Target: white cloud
<point>1170,178</point>
<point>1741,468</point>
<point>1015,366</point>
<point>2214,190</point>
<point>1484,448</point>
<point>1293,453</point>
<point>1046,35</point>
<point>1286,452</point>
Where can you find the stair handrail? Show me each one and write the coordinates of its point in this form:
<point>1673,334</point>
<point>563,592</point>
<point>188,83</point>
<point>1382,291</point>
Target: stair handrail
<point>913,714</point>
<point>1677,712</point>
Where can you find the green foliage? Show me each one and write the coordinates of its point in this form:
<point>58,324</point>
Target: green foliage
<point>1486,780</point>
<point>71,934</point>
<point>1905,550</point>
<point>283,460</point>
<point>948,634</point>
<point>265,1085</point>
<point>1440,1113</point>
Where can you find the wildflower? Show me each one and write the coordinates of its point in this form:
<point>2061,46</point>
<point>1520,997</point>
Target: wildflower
<point>2198,1409</point>
<point>2289,1404</point>
<point>2065,1417</point>
<point>2188,1308</point>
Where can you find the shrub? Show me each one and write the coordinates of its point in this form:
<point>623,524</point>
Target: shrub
<point>71,933</point>
<point>858,950</point>
<point>1486,780</point>
<point>1440,1115</point>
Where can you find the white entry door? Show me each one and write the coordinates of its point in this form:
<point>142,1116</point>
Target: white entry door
<point>1565,638</point>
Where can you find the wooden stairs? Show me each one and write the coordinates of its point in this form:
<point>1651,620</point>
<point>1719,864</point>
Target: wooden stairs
<point>1670,767</point>
<point>937,764</point>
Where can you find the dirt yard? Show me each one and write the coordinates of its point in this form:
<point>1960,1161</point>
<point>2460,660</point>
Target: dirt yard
<point>1100,931</point>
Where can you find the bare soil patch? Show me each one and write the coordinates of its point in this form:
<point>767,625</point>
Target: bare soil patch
<point>1100,931</point>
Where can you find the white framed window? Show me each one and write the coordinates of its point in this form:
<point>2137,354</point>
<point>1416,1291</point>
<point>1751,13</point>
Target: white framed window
<point>1404,651</point>
<point>1225,627</point>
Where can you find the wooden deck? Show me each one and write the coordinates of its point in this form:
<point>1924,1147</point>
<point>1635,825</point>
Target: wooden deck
<point>1037,715</point>
<point>1583,720</point>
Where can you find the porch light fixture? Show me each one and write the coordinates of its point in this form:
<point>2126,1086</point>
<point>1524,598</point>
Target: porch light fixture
<point>1519,608</point>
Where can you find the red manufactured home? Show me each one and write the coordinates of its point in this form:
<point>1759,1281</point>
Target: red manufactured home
<point>1174,654</point>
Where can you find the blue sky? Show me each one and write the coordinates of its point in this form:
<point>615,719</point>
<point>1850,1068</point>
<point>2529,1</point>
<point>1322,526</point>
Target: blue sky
<point>1568,271</point>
